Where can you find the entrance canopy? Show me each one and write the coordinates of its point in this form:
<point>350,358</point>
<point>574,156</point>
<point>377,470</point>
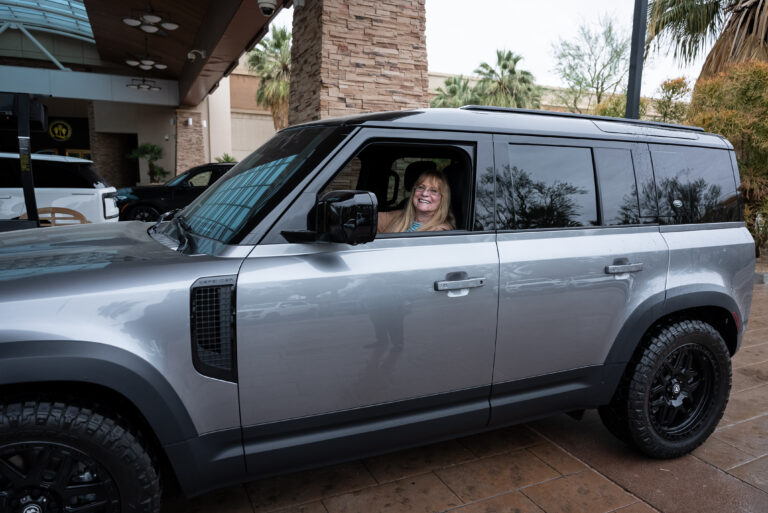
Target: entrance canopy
<point>184,45</point>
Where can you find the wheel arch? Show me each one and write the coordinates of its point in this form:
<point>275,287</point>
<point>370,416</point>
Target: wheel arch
<point>109,367</point>
<point>100,376</point>
<point>712,306</point>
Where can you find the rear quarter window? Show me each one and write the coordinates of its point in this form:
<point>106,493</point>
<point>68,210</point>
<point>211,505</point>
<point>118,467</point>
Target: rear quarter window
<point>694,185</point>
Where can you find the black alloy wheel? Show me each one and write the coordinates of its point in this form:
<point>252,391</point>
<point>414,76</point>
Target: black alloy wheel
<point>63,458</point>
<point>681,391</point>
<point>677,389</point>
<point>40,477</point>
<point>143,213</point>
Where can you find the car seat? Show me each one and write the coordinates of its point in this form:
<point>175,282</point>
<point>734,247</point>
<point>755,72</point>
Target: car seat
<point>456,174</point>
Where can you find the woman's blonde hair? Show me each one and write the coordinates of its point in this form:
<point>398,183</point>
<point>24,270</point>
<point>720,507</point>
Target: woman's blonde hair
<point>442,216</point>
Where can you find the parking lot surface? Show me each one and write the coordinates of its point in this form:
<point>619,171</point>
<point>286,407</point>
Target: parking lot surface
<point>552,465</point>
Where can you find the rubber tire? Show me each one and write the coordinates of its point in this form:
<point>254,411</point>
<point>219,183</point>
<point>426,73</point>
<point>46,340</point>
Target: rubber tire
<point>100,437</point>
<point>694,335</point>
<point>150,213</point>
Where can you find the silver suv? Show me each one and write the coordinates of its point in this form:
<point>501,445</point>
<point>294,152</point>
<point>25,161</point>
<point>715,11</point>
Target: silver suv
<point>596,263</point>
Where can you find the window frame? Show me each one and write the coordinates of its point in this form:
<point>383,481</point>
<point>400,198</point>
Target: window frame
<point>501,154</point>
<point>292,218</point>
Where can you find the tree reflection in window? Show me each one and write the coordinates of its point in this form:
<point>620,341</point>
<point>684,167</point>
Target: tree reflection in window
<point>546,187</point>
<point>698,202</point>
<point>694,185</point>
<point>525,203</point>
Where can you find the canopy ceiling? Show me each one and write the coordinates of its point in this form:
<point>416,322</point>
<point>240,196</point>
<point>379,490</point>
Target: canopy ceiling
<point>219,31</point>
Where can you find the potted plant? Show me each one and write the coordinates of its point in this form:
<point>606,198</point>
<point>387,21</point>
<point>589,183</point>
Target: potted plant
<point>151,153</point>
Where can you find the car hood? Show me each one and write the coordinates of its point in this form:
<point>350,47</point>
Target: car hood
<point>47,251</point>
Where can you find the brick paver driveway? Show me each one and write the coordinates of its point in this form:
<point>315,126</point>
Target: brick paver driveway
<point>553,465</point>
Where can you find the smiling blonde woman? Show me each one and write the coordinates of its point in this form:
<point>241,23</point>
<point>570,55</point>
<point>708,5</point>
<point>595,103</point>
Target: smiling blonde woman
<point>429,208</point>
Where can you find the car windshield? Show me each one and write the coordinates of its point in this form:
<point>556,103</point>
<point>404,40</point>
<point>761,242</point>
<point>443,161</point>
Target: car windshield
<point>228,209</point>
<point>177,179</point>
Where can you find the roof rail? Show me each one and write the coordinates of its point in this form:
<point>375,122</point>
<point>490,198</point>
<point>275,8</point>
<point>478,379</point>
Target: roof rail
<point>582,116</point>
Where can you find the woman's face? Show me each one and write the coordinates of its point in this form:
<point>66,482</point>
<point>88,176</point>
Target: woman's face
<point>426,196</point>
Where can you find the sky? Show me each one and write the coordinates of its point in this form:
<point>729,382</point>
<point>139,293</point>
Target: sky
<point>463,33</point>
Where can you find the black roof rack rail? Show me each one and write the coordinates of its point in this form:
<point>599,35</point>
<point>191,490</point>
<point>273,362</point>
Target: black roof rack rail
<point>582,116</point>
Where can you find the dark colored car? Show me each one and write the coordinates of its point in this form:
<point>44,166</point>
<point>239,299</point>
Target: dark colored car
<point>147,202</point>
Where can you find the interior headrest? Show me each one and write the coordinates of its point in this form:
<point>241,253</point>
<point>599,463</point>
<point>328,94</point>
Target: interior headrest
<point>415,170</point>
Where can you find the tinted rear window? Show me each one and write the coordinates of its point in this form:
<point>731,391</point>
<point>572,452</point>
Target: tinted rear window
<point>52,174</point>
<point>694,185</point>
<point>546,187</point>
<point>618,190</point>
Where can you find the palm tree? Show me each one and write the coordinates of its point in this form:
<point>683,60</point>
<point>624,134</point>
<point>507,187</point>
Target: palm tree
<point>271,59</point>
<point>457,92</point>
<point>506,86</point>
<point>739,27</point>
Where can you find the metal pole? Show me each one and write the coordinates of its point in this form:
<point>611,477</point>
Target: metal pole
<point>636,59</point>
<point>28,185</point>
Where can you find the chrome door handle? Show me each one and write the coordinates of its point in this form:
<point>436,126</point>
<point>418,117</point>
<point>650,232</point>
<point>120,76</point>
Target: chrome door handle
<point>623,268</point>
<point>467,283</point>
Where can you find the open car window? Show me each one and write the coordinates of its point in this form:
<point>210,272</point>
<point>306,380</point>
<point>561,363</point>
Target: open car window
<point>390,170</point>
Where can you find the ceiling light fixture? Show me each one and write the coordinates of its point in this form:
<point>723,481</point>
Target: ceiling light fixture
<point>149,20</point>
<point>143,84</point>
<point>145,62</point>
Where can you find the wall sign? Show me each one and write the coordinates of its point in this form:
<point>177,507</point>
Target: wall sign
<point>60,130</point>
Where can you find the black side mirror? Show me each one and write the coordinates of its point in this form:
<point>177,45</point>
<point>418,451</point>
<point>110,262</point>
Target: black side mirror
<point>349,217</point>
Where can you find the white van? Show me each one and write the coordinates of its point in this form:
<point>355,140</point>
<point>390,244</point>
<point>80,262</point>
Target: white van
<point>59,182</point>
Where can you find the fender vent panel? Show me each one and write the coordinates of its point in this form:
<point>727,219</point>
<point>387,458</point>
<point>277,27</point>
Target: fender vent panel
<point>212,320</point>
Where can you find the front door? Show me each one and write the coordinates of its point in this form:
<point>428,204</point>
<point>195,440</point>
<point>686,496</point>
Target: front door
<point>339,346</point>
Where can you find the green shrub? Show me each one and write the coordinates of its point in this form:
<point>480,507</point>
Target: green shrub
<point>735,104</point>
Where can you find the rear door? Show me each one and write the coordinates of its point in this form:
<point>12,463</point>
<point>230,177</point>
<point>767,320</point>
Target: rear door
<point>574,271</point>
<point>377,356</point>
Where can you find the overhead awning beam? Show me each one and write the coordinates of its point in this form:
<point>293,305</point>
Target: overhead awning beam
<point>52,31</point>
<point>40,46</point>
<point>66,16</point>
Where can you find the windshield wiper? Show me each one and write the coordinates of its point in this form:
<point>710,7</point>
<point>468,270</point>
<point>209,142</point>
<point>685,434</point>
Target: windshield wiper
<point>184,231</point>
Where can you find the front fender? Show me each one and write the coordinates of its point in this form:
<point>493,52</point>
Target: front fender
<point>99,364</point>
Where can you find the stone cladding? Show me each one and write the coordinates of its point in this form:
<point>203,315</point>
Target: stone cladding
<point>352,56</point>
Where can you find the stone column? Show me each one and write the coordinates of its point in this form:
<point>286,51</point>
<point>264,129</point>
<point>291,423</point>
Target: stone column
<point>352,56</point>
<point>190,142</point>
